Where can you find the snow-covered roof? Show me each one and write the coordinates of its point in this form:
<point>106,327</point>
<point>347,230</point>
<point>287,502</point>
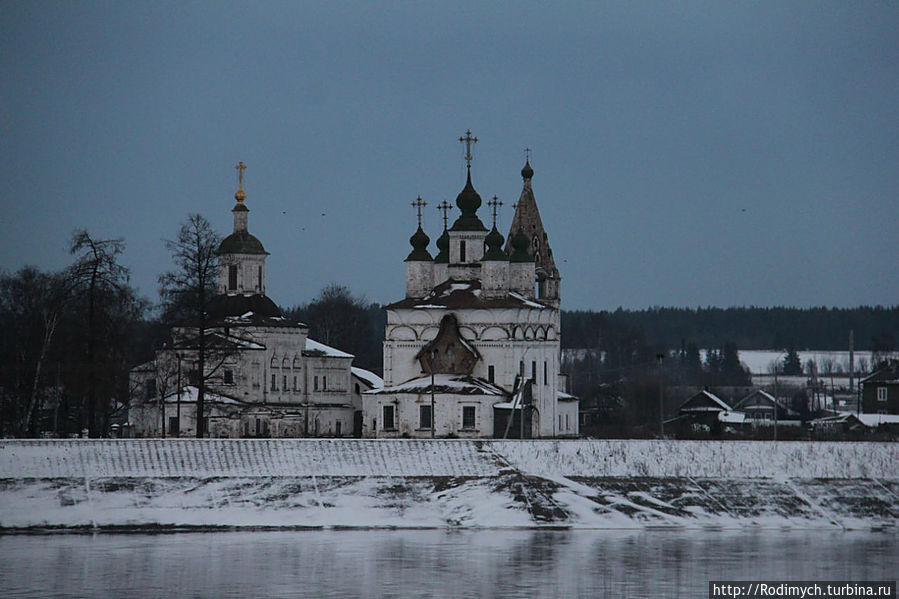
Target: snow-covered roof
<point>314,347</point>
<point>454,294</point>
<point>875,420</point>
<point>562,396</point>
<point>716,403</point>
<point>368,377</point>
<point>732,417</point>
<point>760,398</point>
<point>459,384</point>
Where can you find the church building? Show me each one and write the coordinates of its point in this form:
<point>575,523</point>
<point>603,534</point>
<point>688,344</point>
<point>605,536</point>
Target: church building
<point>264,376</point>
<point>473,350</point>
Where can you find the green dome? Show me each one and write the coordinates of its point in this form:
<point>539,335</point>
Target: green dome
<point>468,202</point>
<point>419,241</point>
<point>442,256</point>
<point>520,247</point>
<point>494,243</point>
<point>527,172</point>
<point>241,242</point>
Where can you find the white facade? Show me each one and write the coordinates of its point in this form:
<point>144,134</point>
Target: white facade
<point>502,331</point>
<point>264,376</point>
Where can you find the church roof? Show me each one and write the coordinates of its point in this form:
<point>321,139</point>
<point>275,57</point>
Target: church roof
<point>455,295</point>
<point>240,242</point>
<point>443,383</point>
<point>527,220</point>
<point>244,306</point>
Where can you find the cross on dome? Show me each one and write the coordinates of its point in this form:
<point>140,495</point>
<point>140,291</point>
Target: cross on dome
<point>468,140</point>
<point>418,204</point>
<point>494,203</point>
<point>444,207</point>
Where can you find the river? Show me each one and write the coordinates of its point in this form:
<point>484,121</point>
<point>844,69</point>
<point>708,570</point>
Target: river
<point>432,563</point>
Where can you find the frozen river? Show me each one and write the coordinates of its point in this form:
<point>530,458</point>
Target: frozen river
<point>432,563</point>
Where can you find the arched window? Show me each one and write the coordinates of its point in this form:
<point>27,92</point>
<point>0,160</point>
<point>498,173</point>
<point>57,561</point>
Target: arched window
<point>274,361</point>
<point>232,277</point>
<point>285,363</point>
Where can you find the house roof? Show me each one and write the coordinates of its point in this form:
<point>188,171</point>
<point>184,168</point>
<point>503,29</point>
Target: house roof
<point>760,397</point>
<point>888,374</point>
<point>369,378</point>
<point>314,348</point>
<point>455,295</point>
<point>704,401</point>
<point>443,383</point>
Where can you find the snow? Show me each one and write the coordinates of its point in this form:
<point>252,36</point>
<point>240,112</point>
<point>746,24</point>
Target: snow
<point>444,383</point>
<point>761,361</point>
<point>327,350</point>
<point>373,380</point>
<point>446,483</point>
<point>526,301</point>
<point>732,417</point>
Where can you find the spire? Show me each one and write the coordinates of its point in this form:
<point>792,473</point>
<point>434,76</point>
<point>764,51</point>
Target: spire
<point>240,196</point>
<point>527,221</point>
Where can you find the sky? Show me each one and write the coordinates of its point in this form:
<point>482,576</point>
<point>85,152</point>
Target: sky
<point>685,153</point>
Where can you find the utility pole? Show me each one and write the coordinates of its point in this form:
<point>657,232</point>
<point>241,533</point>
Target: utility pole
<point>661,357</point>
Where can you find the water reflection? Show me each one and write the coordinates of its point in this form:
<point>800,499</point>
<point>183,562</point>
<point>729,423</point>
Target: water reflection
<point>431,563</point>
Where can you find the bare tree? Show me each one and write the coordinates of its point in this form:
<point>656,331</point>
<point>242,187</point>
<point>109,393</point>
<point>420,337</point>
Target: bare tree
<point>188,291</point>
<point>31,305</point>
<point>97,272</point>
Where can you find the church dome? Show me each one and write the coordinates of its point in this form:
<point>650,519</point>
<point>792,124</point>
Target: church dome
<point>468,202</point>
<point>527,172</point>
<point>241,242</point>
<point>520,247</point>
<point>443,243</point>
<point>419,241</point>
<point>494,243</point>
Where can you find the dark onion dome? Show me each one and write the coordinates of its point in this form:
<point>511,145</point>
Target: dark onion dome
<point>494,243</point>
<point>419,241</point>
<point>240,242</point>
<point>223,306</point>
<point>527,172</point>
<point>468,202</point>
<point>443,244</point>
<point>520,247</point>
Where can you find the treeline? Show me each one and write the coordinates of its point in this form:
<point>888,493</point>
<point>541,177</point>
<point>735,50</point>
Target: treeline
<point>876,328</point>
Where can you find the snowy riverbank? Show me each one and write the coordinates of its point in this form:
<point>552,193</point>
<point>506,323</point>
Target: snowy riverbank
<point>446,483</point>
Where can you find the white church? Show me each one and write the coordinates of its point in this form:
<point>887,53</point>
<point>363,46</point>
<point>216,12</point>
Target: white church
<point>266,378</point>
<point>473,350</point>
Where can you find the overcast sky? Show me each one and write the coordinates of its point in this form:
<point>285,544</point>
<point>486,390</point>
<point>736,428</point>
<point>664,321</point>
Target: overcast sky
<point>686,154</point>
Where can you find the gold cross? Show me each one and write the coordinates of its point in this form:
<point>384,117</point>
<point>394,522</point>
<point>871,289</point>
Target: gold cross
<point>241,167</point>
<point>444,207</point>
<point>468,140</point>
<point>494,203</point>
<point>418,204</point>
<point>527,154</point>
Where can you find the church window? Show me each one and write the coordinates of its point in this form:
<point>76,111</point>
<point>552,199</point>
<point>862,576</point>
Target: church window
<point>150,387</point>
<point>536,256</point>
<point>521,369</point>
<point>567,427</point>
<point>324,383</point>
<point>228,376</point>
<point>424,416</point>
<point>468,416</point>
<point>259,280</point>
<point>536,243</point>
<point>337,427</point>
<point>315,382</point>
<point>285,363</point>
<point>274,382</point>
<point>534,372</point>
<point>284,383</point>
<point>545,381</point>
<point>294,382</point>
<point>462,251</point>
<point>274,362</point>
<point>232,277</point>
<point>173,426</point>
<point>560,422</point>
<point>389,424</point>
<point>490,373</point>
<point>357,388</point>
